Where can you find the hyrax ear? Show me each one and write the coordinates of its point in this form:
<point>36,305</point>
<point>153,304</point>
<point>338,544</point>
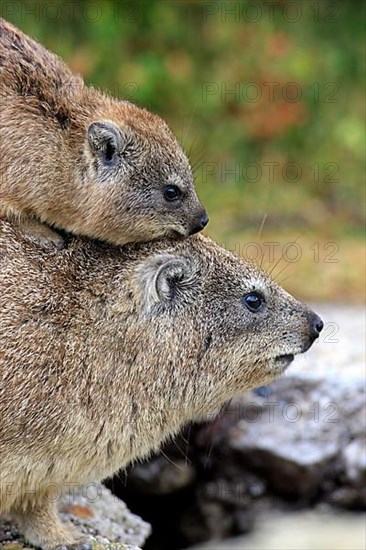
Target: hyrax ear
<point>106,140</point>
<point>165,278</point>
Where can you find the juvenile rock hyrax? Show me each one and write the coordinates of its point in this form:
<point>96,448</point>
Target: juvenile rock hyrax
<point>78,160</point>
<point>105,352</point>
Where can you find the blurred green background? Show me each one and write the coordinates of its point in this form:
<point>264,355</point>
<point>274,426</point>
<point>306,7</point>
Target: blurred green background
<point>268,99</point>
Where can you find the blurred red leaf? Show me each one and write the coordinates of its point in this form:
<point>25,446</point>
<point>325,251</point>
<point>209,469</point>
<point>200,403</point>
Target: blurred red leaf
<point>278,44</point>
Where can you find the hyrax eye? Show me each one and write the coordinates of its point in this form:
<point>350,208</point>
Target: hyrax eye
<point>253,301</point>
<point>171,193</point>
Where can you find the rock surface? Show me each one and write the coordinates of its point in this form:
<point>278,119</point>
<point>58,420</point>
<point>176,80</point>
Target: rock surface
<point>305,438</point>
<point>96,512</point>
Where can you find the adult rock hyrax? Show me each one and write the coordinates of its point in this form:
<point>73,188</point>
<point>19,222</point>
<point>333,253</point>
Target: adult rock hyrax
<point>76,159</point>
<point>105,352</point>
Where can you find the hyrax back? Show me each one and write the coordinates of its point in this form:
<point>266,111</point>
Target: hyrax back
<point>78,160</point>
<point>105,352</point>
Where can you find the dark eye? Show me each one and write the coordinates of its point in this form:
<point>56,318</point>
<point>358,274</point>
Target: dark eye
<point>253,301</point>
<point>171,192</point>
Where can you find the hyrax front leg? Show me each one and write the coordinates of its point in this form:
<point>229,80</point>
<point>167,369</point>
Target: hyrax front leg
<point>41,526</point>
<point>30,226</point>
<point>40,232</point>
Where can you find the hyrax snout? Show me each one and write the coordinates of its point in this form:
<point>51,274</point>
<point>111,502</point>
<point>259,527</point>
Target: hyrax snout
<point>79,160</point>
<point>106,352</point>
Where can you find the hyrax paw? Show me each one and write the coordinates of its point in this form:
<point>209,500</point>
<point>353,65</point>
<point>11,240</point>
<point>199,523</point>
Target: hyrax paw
<point>41,233</point>
<point>48,237</point>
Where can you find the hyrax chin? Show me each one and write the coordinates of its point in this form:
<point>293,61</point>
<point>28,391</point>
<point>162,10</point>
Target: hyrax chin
<point>105,352</point>
<point>76,159</point>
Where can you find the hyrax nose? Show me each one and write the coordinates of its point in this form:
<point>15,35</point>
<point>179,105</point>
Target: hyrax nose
<point>200,224</point>
<point>203,221</point>
<point>316,326</point>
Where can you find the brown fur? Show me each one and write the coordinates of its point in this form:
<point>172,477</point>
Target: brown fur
<point>105,352</point>
<point>55,168</point>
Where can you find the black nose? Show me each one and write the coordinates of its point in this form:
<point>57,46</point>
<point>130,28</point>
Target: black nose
<point>316,325</point>
<point>203,221</point>
<point>200,224</point>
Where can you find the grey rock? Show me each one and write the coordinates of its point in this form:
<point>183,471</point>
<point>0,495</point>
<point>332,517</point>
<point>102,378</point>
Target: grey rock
<point>354,456</point>
<point>95,512</point>
<point>300,437</point>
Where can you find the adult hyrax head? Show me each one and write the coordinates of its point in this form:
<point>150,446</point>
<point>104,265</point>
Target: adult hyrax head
<point>76,159</point>
<point>105,352</point>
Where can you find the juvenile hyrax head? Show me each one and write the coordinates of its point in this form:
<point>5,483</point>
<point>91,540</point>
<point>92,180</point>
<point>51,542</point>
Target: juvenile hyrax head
<point>134,157</point>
